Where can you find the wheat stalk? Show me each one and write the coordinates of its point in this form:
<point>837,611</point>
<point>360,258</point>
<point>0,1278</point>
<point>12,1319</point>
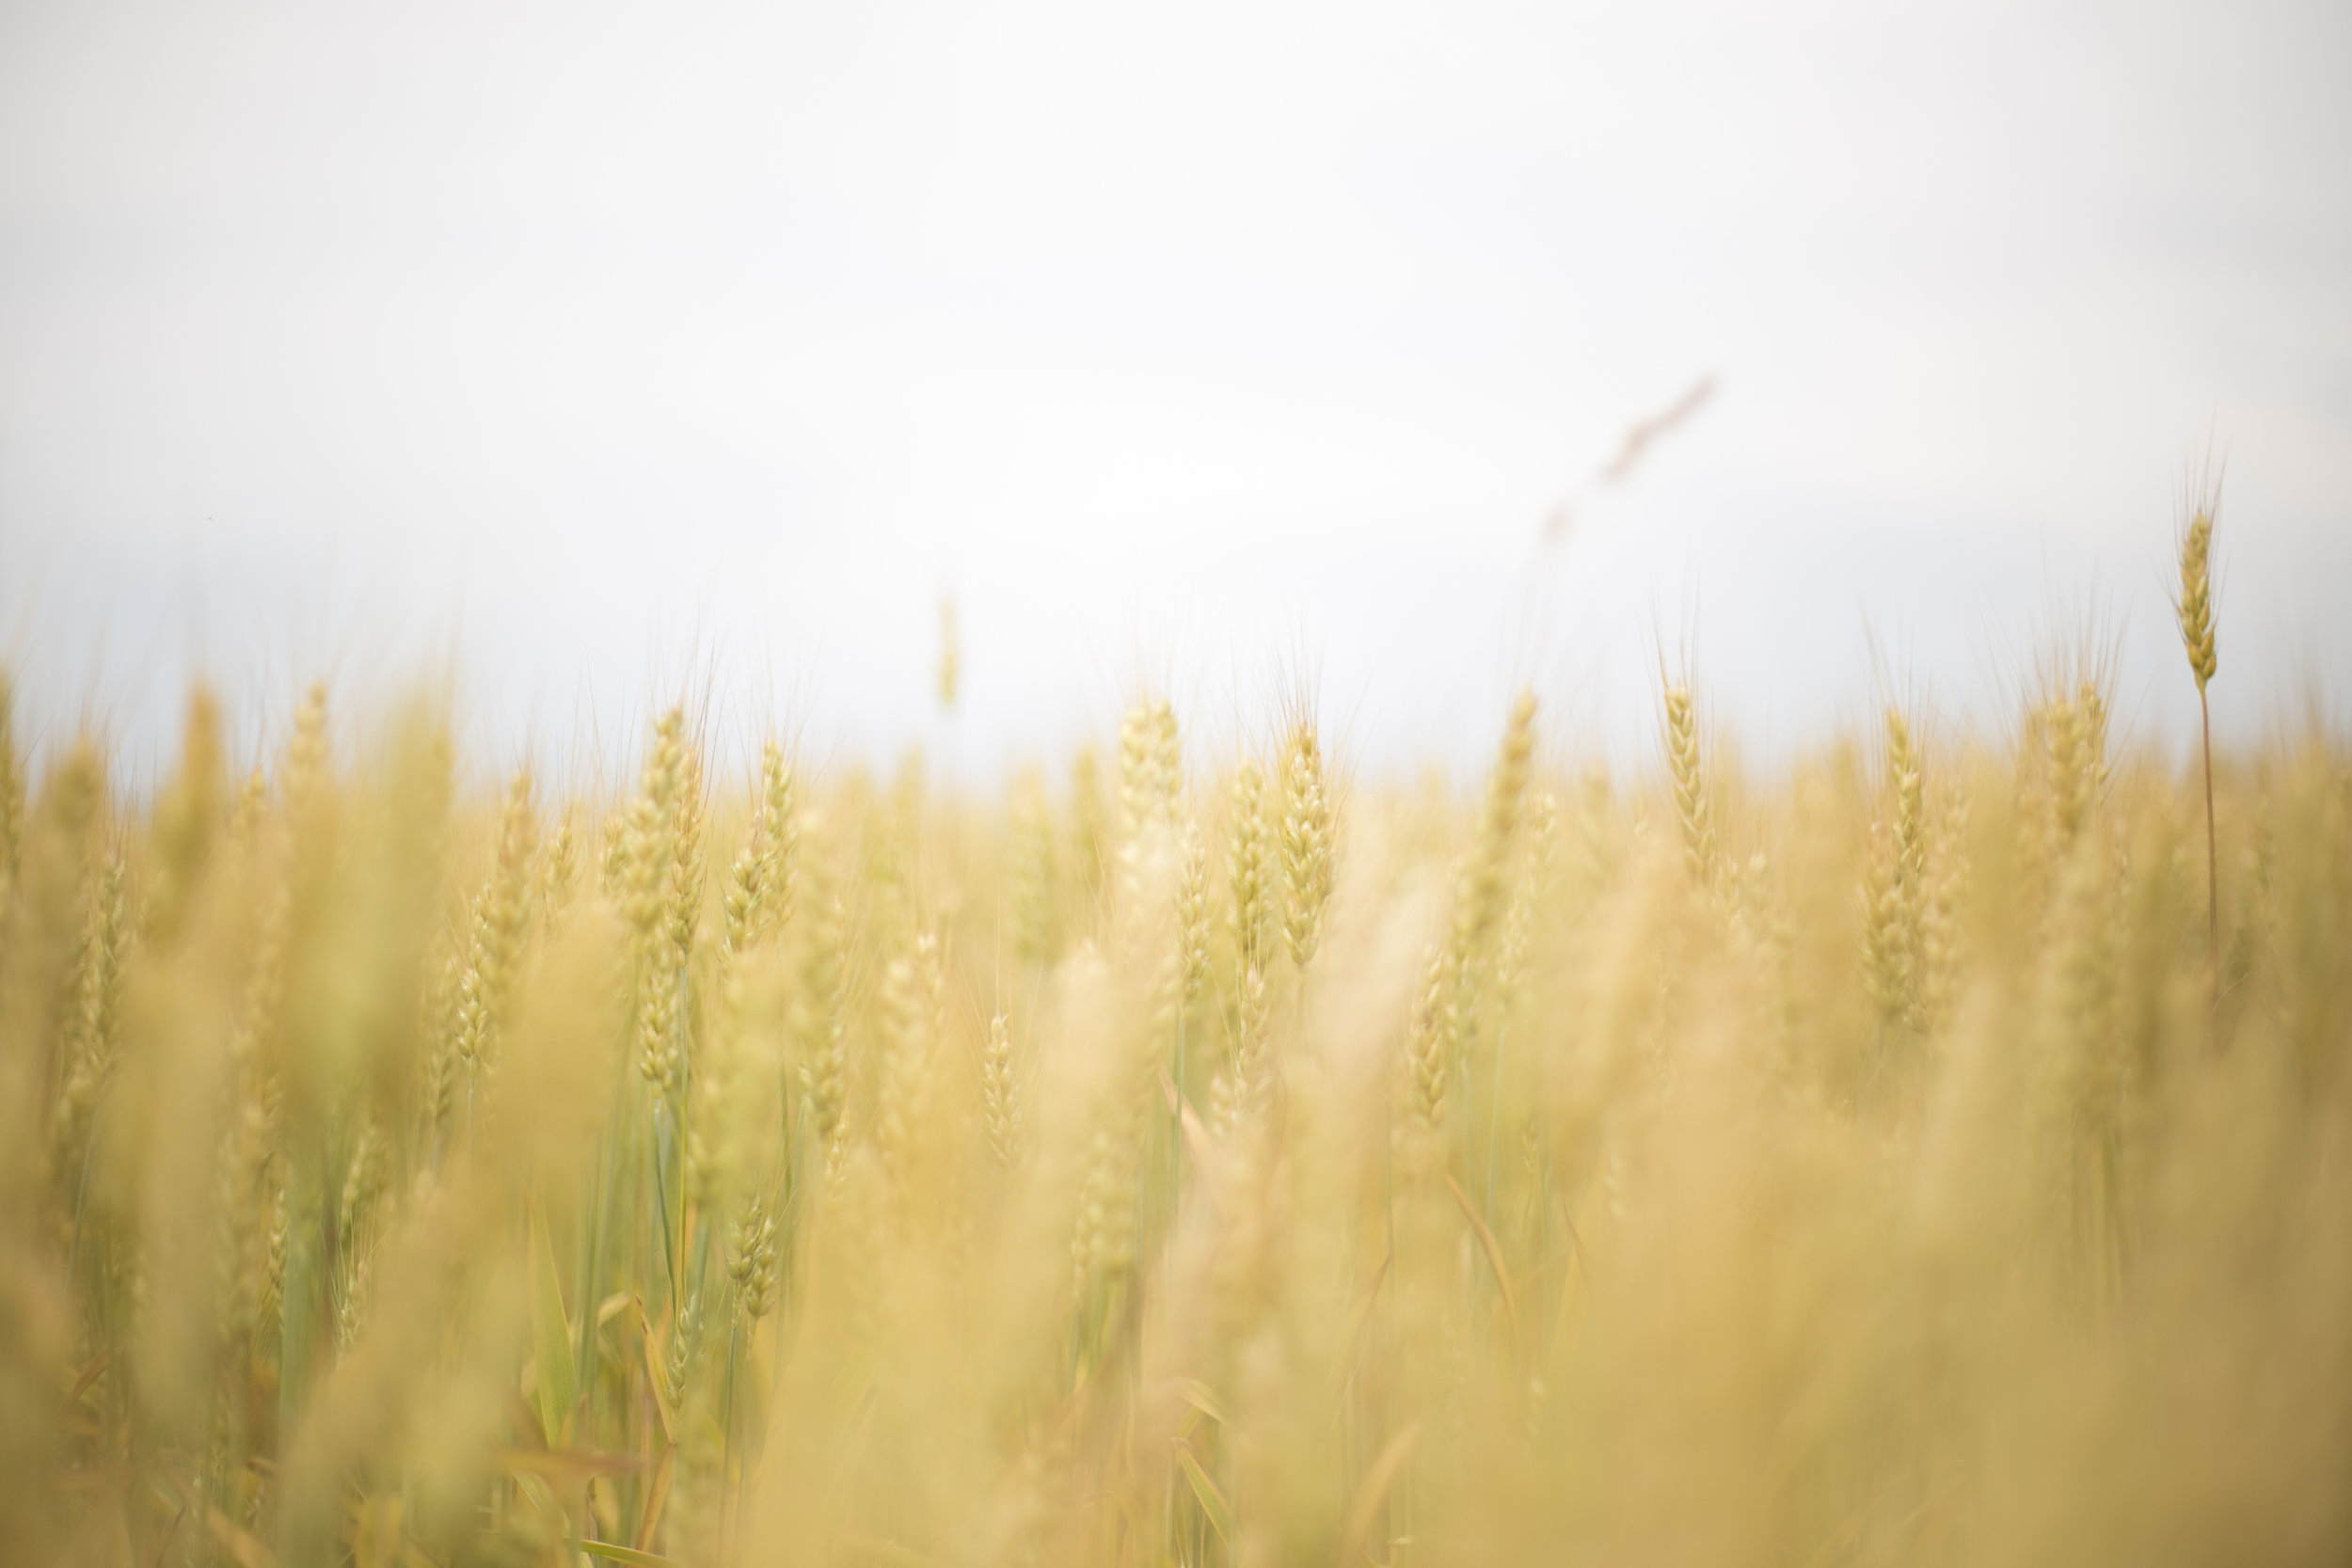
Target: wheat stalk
<point>2193,608</point>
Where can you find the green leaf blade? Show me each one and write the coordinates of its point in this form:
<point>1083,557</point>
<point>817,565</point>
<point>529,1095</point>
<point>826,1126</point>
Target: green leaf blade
<point>552,1332</point>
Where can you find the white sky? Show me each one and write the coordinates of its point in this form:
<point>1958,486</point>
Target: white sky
<point>606,346</point>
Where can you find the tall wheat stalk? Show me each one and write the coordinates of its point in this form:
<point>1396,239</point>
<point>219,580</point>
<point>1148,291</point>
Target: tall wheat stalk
<point>2194,607</point>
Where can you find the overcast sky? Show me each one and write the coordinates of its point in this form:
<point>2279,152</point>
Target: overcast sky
<point>602,348</point>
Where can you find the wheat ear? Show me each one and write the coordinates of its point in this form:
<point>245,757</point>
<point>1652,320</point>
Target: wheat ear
<point>1690,778</point>
<point>2195,608</point>
<point>1306,847</point>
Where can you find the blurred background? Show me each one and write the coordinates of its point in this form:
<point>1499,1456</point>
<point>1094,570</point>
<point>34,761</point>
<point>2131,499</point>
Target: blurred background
<point>586,354</point>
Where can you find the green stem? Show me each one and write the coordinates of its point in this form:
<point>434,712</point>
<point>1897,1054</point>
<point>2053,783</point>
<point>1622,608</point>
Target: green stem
<point>730,1482</point>
<point>592,1248</point>
<point>661,1205</point>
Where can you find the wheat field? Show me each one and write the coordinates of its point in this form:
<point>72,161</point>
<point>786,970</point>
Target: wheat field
<point>1939,1153</point>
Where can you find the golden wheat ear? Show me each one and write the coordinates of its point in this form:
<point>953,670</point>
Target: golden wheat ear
<point>1692,808</point>
<point>1307,847</point>
<point>2194,610</point>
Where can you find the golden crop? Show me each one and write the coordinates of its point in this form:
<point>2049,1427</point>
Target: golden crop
<point>1915,1159</point>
